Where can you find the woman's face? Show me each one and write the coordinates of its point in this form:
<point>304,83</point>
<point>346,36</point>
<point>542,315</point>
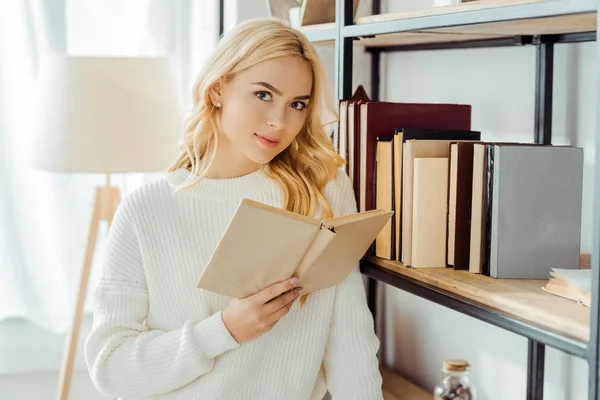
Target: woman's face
<point>263,108</point>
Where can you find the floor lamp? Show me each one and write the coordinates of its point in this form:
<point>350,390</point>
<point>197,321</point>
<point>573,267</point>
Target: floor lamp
<point>103,115</point>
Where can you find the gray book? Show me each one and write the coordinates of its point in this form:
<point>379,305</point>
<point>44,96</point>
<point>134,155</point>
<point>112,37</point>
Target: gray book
<point>535,210</point>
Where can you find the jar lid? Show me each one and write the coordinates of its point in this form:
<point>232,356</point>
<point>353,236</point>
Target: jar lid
<point>455,365</point>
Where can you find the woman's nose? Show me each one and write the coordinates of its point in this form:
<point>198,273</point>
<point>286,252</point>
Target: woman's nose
<point>276,118</point>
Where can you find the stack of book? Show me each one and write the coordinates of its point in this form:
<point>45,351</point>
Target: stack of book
<point>506,210</point>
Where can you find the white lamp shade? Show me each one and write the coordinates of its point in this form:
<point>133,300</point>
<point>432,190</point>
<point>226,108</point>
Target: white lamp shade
<point>106,115</point>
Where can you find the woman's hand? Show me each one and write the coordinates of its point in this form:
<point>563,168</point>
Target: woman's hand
<point>254,315</point>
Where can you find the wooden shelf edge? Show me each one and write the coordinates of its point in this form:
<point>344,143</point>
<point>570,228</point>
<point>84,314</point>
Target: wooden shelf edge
<point>567,24</point>
<point>397,387</point>
<point>456,23</point>
<point>320,34</point>
<point>521,299</point>
<point>442,10</point>
<point>318,27</point>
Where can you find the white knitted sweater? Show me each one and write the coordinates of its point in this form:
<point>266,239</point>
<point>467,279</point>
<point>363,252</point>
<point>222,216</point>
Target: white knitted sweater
<point>157,336</point>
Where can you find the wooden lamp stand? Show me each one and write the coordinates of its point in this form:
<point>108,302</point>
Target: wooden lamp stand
<point>105,206</point>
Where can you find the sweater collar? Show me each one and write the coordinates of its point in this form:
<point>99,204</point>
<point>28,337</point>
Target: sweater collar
<point>229,188</point>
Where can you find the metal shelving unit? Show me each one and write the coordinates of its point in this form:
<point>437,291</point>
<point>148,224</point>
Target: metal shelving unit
<point>486,23</point>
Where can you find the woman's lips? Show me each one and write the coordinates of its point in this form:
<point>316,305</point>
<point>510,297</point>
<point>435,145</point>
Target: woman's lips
<point>267,141</point>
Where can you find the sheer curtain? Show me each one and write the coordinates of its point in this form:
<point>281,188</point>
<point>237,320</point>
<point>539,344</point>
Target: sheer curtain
<point>44,216</point>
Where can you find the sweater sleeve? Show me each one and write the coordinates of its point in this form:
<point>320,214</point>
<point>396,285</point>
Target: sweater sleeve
<point>351,363</point>
<point>123,356</point>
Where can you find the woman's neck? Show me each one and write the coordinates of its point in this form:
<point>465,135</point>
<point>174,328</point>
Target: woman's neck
<point>227,164</point>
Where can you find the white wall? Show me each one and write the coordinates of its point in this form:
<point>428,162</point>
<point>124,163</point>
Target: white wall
<point>500,85</point>
<point>30,359</point>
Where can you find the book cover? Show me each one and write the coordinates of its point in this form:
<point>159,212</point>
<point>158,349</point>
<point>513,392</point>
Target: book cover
<point>264,244</point>
<point>414,149</point>
<point>429,213</point>
<point>384,196</point>
<point>535,210</point>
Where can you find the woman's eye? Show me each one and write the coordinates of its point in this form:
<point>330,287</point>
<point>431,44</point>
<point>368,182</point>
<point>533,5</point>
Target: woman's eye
<point>298,105</point>
<point>264,96</point>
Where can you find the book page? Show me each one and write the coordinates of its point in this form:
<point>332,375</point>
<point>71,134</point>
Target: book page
<point>579,278</point>
<point>344,251</point>
<point>260,246</point>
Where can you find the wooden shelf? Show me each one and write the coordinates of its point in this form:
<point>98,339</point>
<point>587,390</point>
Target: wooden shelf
<point>396,387</point>
<point>521,299</point>
<point>496,30</point>
<point>320,33</point>
<point>479,20</point>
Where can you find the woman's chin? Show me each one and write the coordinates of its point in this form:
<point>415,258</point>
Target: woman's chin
<point>262,160</point>
<point>262,157</point>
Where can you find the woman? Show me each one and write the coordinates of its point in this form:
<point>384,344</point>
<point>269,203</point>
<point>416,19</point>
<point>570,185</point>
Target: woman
<point>255,132</point>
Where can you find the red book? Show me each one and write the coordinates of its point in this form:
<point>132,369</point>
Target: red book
<point>382,119</point>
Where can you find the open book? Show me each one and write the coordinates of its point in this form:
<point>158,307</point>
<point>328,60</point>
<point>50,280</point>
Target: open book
<point>263,245</point>
<point>573,284</point>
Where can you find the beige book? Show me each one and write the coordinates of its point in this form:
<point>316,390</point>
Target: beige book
<point>407,179</point>
<point>383,195</point>
<point>362,157</point>
<point>452,180</point>
<point>416,149</point>
<point>263,245</point>
<point>430,206</point>
<point>475,261</point>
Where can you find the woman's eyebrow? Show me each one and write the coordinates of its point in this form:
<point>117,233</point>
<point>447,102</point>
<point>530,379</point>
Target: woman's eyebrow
<point>278,92</point>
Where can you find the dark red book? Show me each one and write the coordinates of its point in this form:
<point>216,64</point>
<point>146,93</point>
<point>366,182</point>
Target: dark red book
<point>382,119</point>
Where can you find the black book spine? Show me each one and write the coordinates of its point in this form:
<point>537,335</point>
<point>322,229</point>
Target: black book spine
<point>488,205</point>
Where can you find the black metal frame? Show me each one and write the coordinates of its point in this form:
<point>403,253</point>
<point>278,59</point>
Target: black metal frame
<point>543,91</point>
<point>538,337</point>
<point>221,26</point>
<point>593,352</point>
<point>343,50</point>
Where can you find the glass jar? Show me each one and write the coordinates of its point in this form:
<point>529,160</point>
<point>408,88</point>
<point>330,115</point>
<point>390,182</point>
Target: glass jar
<point>456,383</point>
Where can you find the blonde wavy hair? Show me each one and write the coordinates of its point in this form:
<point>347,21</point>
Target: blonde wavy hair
<point>310,161</point>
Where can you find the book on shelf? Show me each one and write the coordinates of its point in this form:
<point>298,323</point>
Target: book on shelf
<point>384,196</point>
<point>506,210</point>
<point>528,218</point>
<point>404,178</point>
<point>362,121</point>
<point>377,119</point>
<point>429,214</point>
<point>572,284</point>
<point>460,185</point>
<point>480,194</point>
<point>342,144</point>
<point>388,181</point>
<point>415,149</point>
<point>264,244</point>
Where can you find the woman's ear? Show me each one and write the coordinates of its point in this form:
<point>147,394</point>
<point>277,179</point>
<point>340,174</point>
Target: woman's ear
<point>216,93</point>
